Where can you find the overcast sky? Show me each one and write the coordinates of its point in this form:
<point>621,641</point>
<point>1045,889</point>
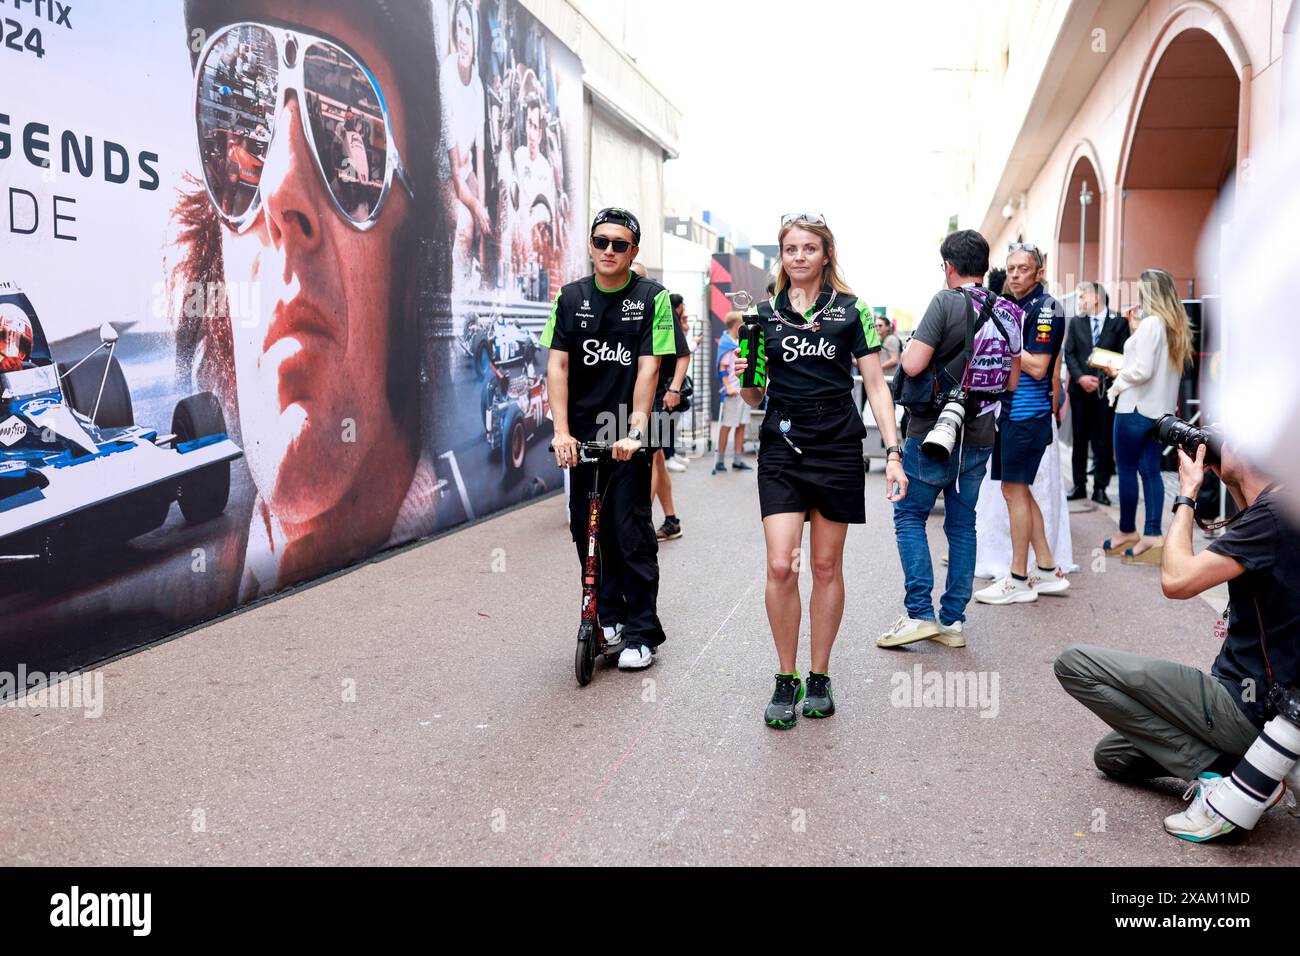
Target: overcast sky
<point>816,106</point>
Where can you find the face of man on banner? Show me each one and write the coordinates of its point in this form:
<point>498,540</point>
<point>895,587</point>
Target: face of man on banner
<point>315,228</point>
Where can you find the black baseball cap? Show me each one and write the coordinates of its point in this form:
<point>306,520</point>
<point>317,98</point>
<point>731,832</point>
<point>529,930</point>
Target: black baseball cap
<point>620,217</point>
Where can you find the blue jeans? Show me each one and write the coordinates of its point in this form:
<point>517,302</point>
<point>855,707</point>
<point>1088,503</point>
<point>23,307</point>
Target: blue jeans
<point>961,490</point>
<point>1136,452</point>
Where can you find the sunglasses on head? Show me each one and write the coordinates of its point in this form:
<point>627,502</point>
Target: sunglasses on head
<point>243,74</point>
<point>814,217</point>
<point>603,242</point>
<point>1028,247</point>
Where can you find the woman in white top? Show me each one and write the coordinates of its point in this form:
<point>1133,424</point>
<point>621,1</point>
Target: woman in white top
<point>1144,388</point>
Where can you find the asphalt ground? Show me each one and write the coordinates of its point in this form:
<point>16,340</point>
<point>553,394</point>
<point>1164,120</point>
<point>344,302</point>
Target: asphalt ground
<point>422,709</point>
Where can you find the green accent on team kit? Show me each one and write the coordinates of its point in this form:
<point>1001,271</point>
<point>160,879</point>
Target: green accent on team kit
<point>868,320</point>
<point>599,288</point>
<point>549,332</point>
<point>663,340</point>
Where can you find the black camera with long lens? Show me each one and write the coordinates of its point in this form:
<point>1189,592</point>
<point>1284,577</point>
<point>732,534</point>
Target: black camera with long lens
<point>1285,701</point>
<point>1172,430</point>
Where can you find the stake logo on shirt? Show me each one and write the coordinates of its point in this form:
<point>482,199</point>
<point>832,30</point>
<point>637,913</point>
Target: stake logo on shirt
<point>598,351</point>
<point>632,310</point>
<point>815,365</point>
<point>795,347</point>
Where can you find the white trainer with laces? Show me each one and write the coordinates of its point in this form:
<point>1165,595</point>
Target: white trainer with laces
<point>613,638</point>
<point>1049,582</point>
<point>634,657</point>
<point>951,635</point>
<point>907,630</point>
<point>1199,822</point>
<point>1007,591</point>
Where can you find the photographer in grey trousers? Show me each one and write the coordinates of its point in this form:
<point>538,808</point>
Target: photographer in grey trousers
<point>1171,720</point>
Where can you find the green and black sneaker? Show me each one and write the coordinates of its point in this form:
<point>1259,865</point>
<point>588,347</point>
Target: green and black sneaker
<point>782,712</point>
<point>819,702</point>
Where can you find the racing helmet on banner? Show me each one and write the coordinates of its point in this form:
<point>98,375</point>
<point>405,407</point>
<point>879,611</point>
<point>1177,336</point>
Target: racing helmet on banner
<point>15,337</point>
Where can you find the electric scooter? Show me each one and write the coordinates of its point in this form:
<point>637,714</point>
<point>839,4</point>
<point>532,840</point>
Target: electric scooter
<point>591,636</point>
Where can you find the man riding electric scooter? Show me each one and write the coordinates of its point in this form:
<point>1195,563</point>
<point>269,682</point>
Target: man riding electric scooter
<point>605,335</point>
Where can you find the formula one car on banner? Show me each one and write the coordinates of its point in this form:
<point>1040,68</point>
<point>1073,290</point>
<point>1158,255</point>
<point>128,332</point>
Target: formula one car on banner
<point>494,341</point>
<point>74,466</point>
<point>515,407</point>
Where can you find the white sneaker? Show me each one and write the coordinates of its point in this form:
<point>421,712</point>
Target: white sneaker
<point>907,630</point>
<point>1200,822</point>
<point>613,638</point>
<point>673,464</point>
<point>1007,591</point>
<point>635,657</point>
<point>950,635</point>
<point>1049,582</point>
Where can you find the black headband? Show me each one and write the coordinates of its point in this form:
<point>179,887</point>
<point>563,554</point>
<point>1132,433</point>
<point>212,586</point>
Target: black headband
<point>619,217</point>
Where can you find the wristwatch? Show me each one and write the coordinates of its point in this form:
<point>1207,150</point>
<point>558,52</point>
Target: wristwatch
<point>892,449</point>
<point>1183,500</point>
<point>634,434</point>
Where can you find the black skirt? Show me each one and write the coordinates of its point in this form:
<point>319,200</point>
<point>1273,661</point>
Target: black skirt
<point>827,473</point>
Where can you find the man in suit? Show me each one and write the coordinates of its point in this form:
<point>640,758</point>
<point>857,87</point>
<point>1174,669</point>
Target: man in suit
<point>1095,326</point>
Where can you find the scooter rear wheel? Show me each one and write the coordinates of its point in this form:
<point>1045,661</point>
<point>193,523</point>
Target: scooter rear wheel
<point>584,658</point>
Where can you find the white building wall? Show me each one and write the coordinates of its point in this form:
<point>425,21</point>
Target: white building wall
<point>631,126</point>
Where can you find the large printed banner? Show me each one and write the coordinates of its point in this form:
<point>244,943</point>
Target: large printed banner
<point>271,275</point>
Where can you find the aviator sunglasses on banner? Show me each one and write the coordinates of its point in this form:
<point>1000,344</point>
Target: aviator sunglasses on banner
<point>243,74</point>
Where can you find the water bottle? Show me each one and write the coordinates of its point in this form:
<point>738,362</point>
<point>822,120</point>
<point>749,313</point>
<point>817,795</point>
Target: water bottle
<point>753,351</point>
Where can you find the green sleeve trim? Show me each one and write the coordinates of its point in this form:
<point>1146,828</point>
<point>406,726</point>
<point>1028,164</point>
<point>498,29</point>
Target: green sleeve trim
<point>868,321</point>
<point>662,341</point>
<point>548,333</point>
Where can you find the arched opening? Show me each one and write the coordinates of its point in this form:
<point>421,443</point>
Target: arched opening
<point>1080,227</point>
<point>1183,150</point>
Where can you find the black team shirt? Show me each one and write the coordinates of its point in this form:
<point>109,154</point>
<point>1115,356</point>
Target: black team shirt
<point>805,366</point>
<point>1262,645</point>
<point>605,332</point>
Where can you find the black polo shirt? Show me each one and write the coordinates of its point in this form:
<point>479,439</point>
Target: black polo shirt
<point>1262,645</point>
<point>807,366</point>
<point>605,332</point>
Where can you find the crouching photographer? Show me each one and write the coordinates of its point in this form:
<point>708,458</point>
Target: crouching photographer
<point>1170,720</point>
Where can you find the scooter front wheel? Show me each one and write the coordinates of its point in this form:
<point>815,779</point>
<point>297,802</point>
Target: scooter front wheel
<point>584,657</point>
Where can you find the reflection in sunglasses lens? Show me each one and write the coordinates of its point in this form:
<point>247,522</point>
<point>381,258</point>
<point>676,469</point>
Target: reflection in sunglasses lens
<point>236,114</point>
<point>347,125</point>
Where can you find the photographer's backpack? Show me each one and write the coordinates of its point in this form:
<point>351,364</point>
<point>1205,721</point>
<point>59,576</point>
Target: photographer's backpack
<point>922,393</point>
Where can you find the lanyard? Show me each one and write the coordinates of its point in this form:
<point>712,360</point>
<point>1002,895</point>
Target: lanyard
<point>812,325</point>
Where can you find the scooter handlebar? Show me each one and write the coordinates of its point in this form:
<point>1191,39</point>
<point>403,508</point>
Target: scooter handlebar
<point>597,450</point>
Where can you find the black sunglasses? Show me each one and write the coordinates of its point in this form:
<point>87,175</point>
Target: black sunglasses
<point>602,243</point>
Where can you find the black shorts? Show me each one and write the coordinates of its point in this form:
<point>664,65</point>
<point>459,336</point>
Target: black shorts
<point>829,475</point>
<point>1018,449</point>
